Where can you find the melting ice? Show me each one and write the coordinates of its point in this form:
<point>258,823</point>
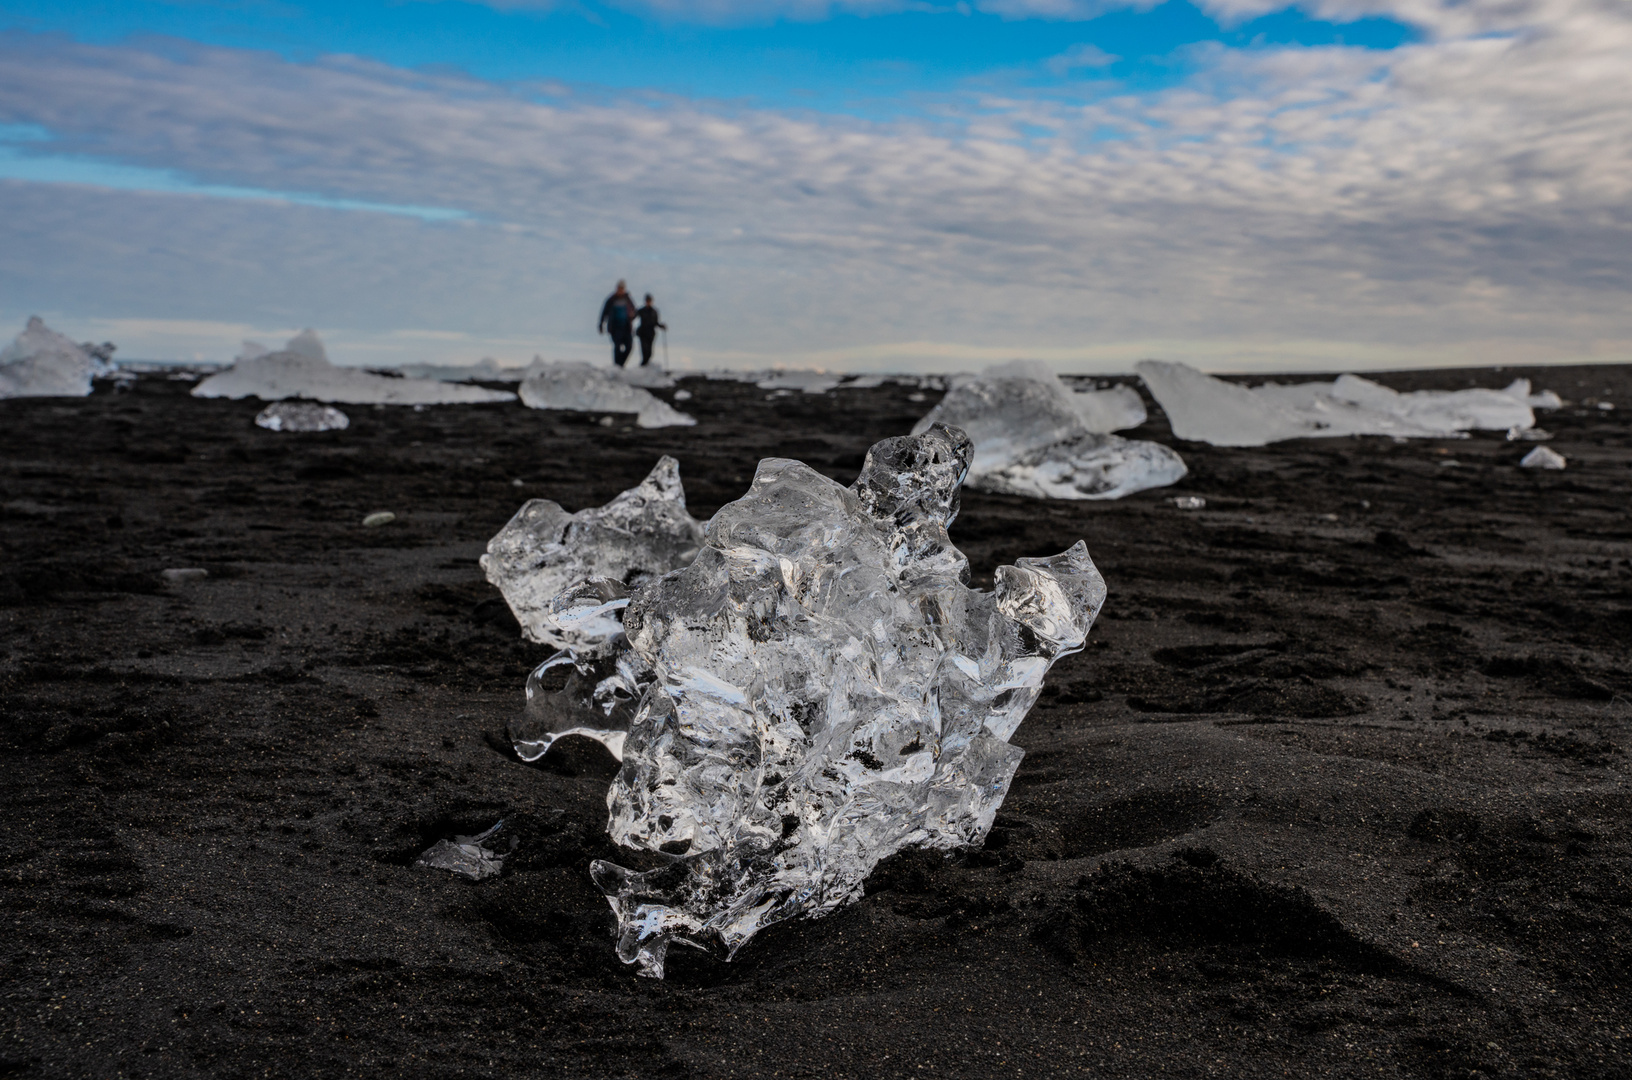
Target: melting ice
<point>1211,410</point>
<point>585,388</point>
<point>301,369</point>
<point>42,363</point>
<point>824,691</point>
<point>469,856</point>
<point>301,416</point>
<point>1032,437</point>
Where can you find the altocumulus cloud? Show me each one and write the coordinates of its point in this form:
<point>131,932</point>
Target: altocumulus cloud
<point>1464,198</point>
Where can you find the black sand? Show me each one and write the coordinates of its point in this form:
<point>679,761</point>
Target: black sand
<point>1340,787</point>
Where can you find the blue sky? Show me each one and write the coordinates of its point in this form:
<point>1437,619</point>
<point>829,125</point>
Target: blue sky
<point>861,184</point>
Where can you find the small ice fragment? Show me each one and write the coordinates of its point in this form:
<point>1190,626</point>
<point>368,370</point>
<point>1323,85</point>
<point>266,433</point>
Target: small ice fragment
<point>808,382</point>
<point>543,553</point>
<point>378,518</point>
<point>518,482</point>
<point>301,369</point>
<point>469,856</point>
<point>1189,502</point>
<point>825,692</point>
<point>584,388</point>
<point>43,363</point>
<point>682,395</point>
<point>916,396</point>
<point>1030,438</point>
<point>1606,406</point>
<point>185,574</point>
<point>1543,457</point>
<point>1534,434</point>
<point>301,416</point>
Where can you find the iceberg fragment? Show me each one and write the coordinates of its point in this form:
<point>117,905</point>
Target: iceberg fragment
<point>1543,457</point>
<point>1205,409</point>
<point>473,857</point>
<point>807,382</point>
<point>825,691</point>
<point>543,555</point>
<point>583,388</point>
<point>1030,439</point>
<point>301,416</point>
<point>301,369</point>
<point>1115,409</point>
<point>42,363</point>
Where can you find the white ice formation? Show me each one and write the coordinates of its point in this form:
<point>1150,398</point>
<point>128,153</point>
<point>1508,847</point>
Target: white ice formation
<point>825,691</point>
<point>1543,457</point>
<point>42,363</point>
<point>584,388</point>
<point>806,382</point>
<point>301,369</point>
<point>301,416</point>
<point>1105,411</point>
<point>543,555</point>
<point>1031,439</point>
<point>1210,410</point>
<point>473,857</point>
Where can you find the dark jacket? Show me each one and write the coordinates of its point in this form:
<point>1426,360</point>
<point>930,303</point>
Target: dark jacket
<point>617,313</point>
<point>650,322</point>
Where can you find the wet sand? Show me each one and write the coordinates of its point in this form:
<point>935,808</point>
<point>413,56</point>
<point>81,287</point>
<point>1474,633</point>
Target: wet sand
<point>1340,786</point>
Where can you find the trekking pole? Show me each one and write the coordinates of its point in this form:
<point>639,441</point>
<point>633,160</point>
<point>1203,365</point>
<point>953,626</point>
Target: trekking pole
<point>665,348</point>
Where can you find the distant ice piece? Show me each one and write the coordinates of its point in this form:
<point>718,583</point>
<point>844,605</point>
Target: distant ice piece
<point>583,388</point>
<point>826,692</point>
<point>474,857</point>
<point>1543,457</point>
<point>543,554</point>
<point>1115,409</point>
<point>648,377</point>
<point>1031,439</point>
<point>1205,409</point>
<point>807,382</point>
<point>42,363</point>
<point>301,369</point>
<point>1190,502</point>
<point>301,416</point>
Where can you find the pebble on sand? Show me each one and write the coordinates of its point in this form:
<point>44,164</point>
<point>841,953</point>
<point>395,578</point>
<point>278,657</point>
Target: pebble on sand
<point>184,575</point>
<point>375,520</point>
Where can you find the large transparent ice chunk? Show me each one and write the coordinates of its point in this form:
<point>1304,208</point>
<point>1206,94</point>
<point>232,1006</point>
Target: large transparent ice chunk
<point>567,576</point>
<point>583,388</point>
<point>301,369</point>
<point>825,691</point>
<point>42,363</point>
<point>1210,410</point>
<point>1030,438</point>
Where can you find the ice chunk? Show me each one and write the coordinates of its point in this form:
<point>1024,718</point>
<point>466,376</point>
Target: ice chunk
<point>1030,439</point>
<point>1190,502</point>
<point>184,575</point>
<point>1210,410</point>
<point>378,518</point>
<point>544,553</point>
<point>486,369</point>
<point>1105,411</point>
<point>1520,389</point>
<point>583,388</point>
<point>648,376</point>
<point>1543,457</point>
<point>302,370</point>
<point>42,363</point>
<point>597,701</point>
<point>474,857</point>
<point>826,691</point>
<point>808,382</point>
<point>301,416</point>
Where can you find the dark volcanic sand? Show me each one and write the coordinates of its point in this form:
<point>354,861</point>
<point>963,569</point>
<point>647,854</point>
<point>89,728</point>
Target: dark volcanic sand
<point>1338,788</point>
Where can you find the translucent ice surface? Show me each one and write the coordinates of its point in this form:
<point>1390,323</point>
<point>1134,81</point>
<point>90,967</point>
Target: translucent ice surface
<point>1211,410</point>
<point>825,691</point>
<point>543,555</point>
<point>301,416</point>
<point>475,857</point>
<point>301,369</point>
<point>1543,457</point>
<point>807,382</point>
<point>1105,411</point>
<point>1030,438</point>
<point>584,388</point>
<point>42,363</point>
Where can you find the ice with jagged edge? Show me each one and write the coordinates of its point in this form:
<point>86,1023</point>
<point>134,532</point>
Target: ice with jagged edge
<point>543,554</point>
<point>301,369</point>
<point>301,416</point>
<point>825,691</point>
<point>42,363</point>
<point>475,857</point>
<point>585,388</point>
<point>1210,410</point>
<point>1032,437</point>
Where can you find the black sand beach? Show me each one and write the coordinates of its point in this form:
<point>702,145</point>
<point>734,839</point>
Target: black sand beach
<point>1339,788</point>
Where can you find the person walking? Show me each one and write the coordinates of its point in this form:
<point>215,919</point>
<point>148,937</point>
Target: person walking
<point>650,324</point>
<point>618,319</point>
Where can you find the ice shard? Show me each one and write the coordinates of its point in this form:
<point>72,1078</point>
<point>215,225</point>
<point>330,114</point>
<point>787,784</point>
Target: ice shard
<point>567,576</point>
<point>825,691</point>
<point>1543,457</point>
<point>1030,438</point>
<point>583,388</point>
<point>42,363</point>
<point>475,857</point>
<point>301,416</point>
<point>1210,410</point>
<point>301,369</point>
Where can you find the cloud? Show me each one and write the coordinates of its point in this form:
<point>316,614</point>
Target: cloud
<point>1467,189</point>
